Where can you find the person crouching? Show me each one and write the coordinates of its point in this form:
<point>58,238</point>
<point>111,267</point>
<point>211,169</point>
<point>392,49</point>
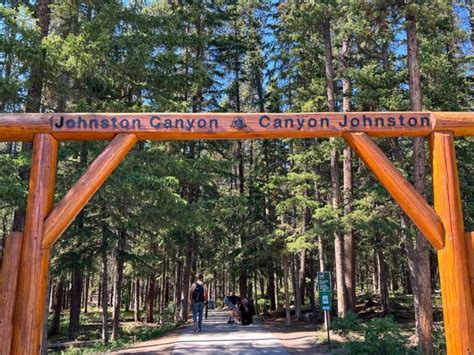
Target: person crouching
<point>246,312</point>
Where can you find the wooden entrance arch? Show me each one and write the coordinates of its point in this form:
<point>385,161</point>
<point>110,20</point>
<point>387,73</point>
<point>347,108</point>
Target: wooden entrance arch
<point>23,281</point>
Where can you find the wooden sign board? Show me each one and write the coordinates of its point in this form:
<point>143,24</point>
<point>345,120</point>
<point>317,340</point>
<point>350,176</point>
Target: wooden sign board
<point>208,125</point>
<point>166,126</point>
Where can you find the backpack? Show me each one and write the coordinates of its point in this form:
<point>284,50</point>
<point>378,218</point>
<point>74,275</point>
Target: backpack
<point>198,294</point>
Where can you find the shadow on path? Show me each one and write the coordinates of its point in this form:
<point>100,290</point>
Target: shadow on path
<point>217,337</point>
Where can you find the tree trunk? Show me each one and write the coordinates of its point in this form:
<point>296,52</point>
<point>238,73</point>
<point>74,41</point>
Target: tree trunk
<point>277,294</point>
<point>117,296</point>
<point>422,273</point>
<point>382,278</point>
<point>163,282</point>
<point>57,305</point>
<point>271,286</point>
<point>336,196</point>
<point>287,291</point>
<point>186,279</point>
<point>136,303</point>
<point>104,286</point>
<point>99,294</point>
<point>177,285</point>
<point>295,280</point>
<point>375,273</point>
<point>76,293</point>
<point>128,300</point>
<point>150,299</point>
<point>302,276</point>
<point>312,282</point>
<point>322,255</point>
<point>86,293</point>
<point>243,277</point>
<point>349,244</point>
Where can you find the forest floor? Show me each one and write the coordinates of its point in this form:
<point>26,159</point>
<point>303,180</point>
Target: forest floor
<point>302,337</point>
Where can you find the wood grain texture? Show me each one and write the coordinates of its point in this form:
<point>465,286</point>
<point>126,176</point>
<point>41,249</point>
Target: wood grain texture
<point>414,204</point>
<point>32,281</point>
<point>24,126</point>
<point>453,263</point>
<point>459,123</point>
<point>469,238</point>
<point>83,190</point>
<point>8,287</point>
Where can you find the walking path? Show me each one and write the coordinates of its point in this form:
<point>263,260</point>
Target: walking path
<point>217,337</point>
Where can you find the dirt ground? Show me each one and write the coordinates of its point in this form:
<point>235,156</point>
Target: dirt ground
<point>302,338</point>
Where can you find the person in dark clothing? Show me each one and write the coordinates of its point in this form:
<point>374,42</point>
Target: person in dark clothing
<point>197,296</point>
<point>232,302</point>
<point>246,312</point>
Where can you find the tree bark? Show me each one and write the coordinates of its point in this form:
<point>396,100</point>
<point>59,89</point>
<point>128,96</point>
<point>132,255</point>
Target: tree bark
<point>349,243</point>
<point>177,284</point>
<point>185,284</point>
<point>287,291</point>
<point>150,299</point>
<point>422,275</point>
<point>322,254</point>
<point>75,310</point>
<point>86,293</point>
<point>136,303</point>
<point>382,278</point>
<point>117,296</point>
<point>163,282</point>
<point>296,289</point>
<point>312,282</point>
<point>302,276</point>
<point>271,286</point>
<point>57,305</point>
<point>336,196</point>
<point>104,286</point>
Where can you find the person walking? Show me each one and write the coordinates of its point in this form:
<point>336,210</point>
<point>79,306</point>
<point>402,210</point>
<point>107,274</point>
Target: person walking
<point>198,295</point>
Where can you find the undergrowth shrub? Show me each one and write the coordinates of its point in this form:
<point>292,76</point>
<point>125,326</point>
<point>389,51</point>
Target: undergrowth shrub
<point>377,336</point>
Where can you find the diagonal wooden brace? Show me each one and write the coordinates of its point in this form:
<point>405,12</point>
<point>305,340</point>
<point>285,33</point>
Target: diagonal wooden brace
<point>410,200</point>
<point>87,185</point>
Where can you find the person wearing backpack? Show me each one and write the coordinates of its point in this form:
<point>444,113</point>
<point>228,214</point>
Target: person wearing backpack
<point>198,295</point>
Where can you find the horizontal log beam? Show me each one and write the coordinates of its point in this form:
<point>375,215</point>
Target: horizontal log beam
<point>410,200</point>
<point>188,126</point>
<point>87,185</point>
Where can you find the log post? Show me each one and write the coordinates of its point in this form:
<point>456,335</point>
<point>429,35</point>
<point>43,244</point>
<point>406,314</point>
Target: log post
<point>33,275</point>
<point>470,257</point>
<point>453,263</point>
<point>8,285</point>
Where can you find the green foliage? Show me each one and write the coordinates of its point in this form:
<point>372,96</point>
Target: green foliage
<point>343,326</point>
<point>377,336</point>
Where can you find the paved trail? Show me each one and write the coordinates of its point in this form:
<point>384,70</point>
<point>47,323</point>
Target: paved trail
<point>217,337</point>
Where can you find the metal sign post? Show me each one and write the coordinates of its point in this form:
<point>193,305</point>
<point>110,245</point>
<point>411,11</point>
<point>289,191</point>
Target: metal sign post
<point>325,298</point>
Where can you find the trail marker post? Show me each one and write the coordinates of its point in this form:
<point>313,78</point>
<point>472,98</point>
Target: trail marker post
<point>325,298</point>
